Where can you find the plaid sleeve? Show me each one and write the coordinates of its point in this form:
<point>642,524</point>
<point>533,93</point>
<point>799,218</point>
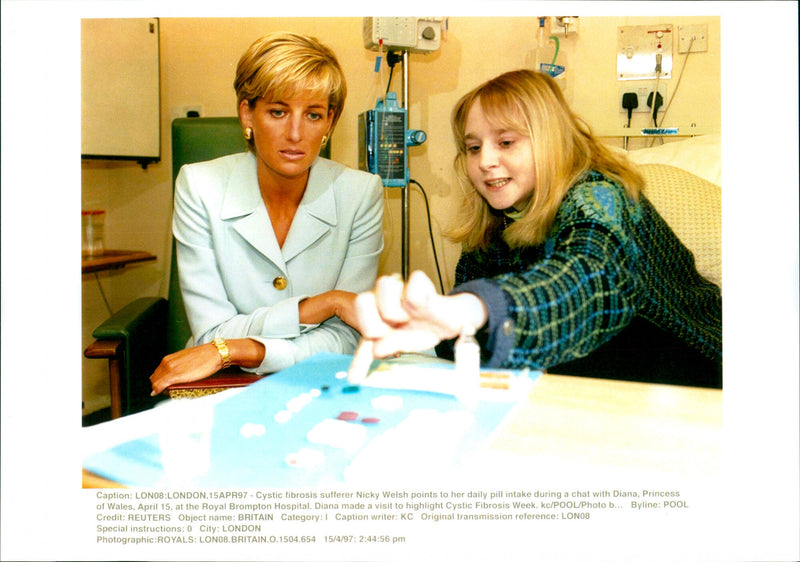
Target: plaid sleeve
<point>577,296</point>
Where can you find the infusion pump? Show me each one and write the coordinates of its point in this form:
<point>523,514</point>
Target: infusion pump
<point>383,138</point>
<point>413,34</point>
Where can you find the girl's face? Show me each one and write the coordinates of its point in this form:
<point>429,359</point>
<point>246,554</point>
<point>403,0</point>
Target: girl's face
<point>287,134</point>
<point>499,161</point>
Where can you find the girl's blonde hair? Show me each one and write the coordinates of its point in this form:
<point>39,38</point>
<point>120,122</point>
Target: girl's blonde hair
<point>280,65</point>
<point>531,103</point>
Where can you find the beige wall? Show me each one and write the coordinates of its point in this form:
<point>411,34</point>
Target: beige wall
<point>198,58</point>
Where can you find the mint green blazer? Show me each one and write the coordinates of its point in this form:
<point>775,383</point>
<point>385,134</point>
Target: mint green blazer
<point>236,280</point>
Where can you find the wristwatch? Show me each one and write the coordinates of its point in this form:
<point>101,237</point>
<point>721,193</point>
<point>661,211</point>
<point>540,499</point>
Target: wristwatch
<point>224,352</point>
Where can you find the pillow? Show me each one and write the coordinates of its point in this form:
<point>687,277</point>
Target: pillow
<point>699,155</point>
<point>691,206</point>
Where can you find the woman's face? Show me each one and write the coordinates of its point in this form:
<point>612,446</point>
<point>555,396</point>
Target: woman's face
<point>287,134</point>
<point>499,162</point>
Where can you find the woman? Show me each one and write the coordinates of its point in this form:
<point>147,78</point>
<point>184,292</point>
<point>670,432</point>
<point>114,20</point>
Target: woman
<point>562,254</point>
<point>274,244</point>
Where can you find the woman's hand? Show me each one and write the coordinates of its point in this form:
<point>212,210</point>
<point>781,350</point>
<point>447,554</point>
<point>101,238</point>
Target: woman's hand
<point>196,363</point>
<point>412,317</point>
<point>186,365</point>
<point>317,309</point>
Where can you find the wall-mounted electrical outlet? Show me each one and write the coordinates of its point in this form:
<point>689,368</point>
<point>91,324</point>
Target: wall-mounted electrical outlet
<point>187,111</point>
<point>639,48</point>
<point>642,92</point>
<point>694,35</point>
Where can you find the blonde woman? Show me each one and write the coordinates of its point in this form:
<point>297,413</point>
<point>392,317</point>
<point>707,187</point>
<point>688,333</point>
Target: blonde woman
<point>565,264</point>
<point>273,244</point>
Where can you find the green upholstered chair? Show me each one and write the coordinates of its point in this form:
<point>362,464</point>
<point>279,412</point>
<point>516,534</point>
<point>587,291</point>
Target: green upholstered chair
<point>138,336</point>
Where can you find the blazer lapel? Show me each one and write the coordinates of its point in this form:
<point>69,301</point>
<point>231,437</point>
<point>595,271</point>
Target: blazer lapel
<point>243,207</point>
<point>315,216</point>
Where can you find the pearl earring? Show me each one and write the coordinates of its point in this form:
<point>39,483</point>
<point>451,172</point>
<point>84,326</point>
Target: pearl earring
<point>248,133</point>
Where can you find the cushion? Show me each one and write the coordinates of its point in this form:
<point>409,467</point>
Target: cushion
<point>691,206</point>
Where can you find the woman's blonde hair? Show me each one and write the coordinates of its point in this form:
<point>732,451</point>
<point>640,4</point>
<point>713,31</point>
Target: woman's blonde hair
<point>283,64</point>
<point>531,103</point>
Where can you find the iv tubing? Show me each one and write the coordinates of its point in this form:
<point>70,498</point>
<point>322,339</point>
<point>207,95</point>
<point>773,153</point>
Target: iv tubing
<point>554,38</point>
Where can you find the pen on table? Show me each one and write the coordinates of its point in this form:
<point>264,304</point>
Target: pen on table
<point>362,360</point>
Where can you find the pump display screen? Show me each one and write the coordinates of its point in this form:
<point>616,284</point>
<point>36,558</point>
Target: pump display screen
<point>391,146</point>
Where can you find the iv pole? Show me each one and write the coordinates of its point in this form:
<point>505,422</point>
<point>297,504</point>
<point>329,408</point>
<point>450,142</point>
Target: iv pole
<point>404,236</point>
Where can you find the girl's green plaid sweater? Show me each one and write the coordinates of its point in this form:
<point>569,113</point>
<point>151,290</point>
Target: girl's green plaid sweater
<point>605,260</point>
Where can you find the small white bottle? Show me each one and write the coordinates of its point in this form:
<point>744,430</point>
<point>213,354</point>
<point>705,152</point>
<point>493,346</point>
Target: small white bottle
<point>468,366</point>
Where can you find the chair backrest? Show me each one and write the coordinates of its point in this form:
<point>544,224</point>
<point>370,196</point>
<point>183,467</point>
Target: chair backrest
<point>195,139</point>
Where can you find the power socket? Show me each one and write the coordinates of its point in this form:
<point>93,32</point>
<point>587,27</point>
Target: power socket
<point>642,92</point>
<point>694,35</point>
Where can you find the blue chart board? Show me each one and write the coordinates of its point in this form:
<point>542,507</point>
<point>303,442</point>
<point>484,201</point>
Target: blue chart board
<point>306,426</point>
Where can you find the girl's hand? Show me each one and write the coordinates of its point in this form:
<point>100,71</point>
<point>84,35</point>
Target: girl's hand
<point>412,317</point>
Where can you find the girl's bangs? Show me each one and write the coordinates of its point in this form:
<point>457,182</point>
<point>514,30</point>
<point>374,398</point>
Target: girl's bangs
<point>504,111</point>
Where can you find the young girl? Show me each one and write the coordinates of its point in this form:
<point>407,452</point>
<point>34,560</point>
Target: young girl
<point>563,256</point>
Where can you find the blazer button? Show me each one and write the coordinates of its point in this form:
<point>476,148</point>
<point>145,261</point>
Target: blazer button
<point>280,283</point>
<point>508,327</point>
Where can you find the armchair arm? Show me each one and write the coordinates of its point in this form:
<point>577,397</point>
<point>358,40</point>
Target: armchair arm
<point>103,349</point>
<point>108,349</point>
<point>132,318</point>
<point>134,341</point>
